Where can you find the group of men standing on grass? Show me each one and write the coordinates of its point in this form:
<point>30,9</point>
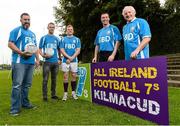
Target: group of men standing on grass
<point>25,54</point>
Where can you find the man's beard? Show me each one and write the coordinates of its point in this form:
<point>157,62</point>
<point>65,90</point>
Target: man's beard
<point>26,25</point>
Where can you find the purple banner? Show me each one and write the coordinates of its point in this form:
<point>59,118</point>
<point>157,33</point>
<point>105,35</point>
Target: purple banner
<point>138,87</point>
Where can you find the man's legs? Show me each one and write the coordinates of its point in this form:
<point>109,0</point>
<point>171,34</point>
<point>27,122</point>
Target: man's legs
<point>65,83</point>
<point>74,67</point>
<point>18,71</point>
<point>26,84</point>
<point>65,69</point>
<point>46,69</point>
<point>54,73</point>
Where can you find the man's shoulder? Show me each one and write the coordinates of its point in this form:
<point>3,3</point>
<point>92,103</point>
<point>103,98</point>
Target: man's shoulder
<point>100,30</point>
<point>75,37</point>
<point>113,26</point>
<point>140,20</point>
<point>16,29</point>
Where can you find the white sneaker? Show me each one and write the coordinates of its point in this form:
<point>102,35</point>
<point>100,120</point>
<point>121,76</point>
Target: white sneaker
<point>74,95</point>
<point>65,96</point>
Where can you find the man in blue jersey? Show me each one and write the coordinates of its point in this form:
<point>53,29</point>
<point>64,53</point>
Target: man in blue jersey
<point>70,48</point>
<point>21,39</point>
<point>136,35</point>
<point>107,41</point>
<point>49,49</point>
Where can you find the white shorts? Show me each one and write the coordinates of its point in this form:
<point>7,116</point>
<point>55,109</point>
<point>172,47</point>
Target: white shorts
<point>73,67</point>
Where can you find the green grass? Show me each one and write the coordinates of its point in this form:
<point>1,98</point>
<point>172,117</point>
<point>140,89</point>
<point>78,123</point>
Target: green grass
<point>72,112</point>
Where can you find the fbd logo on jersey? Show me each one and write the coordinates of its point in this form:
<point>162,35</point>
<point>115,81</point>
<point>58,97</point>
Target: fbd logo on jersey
<point>29,40</point>
<point>70,46</point>
<point>104,39</point>
<point>128,37</point>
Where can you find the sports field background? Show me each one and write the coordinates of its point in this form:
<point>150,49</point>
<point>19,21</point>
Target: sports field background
<point>72,112</point>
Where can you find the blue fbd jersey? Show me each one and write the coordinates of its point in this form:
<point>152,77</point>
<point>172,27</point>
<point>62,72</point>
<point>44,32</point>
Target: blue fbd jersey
<point>106,38</point>
<point>133,33</point>
<point>50,41</point>
<point>70,44</point>
<point>21,37</point>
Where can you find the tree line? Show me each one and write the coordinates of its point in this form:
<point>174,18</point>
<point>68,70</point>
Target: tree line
<point>84,15</point>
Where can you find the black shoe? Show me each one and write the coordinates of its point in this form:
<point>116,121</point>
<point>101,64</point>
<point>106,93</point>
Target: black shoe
<point>30,107</point>
<point>55,97</point>
<point>45,99</point>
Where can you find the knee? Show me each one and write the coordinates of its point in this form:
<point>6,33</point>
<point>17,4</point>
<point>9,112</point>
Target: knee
<point>16,87</point>
<point>74,75</point>
<point>65,77</point>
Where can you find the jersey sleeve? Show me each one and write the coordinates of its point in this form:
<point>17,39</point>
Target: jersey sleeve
<point>117,34</point>
<point>58,43</point>
<point>14,35</point>
<point>62,44</point>
<point>41,43</point>
<point>78,43</point>
<point>144,29</point>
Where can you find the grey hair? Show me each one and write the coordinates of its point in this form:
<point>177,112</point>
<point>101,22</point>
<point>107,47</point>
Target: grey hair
<point>131,8</point>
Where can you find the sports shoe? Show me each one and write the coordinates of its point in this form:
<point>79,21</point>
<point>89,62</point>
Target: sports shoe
<point>14,113</point>
<point>45,99</point>
<point>65,96</point>
<point>55,97</point>
<point>30,107</point>
<point>74,95</point>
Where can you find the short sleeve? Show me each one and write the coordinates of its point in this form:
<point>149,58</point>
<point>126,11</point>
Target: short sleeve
<point>144,29</point>
<point>41,43</point>
<point>117,34</point>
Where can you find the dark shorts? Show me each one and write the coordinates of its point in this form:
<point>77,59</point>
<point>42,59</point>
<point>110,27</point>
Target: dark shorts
<point>103,56</point>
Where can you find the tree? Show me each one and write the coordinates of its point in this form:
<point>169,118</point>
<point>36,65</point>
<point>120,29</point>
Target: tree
<point>84,15</point>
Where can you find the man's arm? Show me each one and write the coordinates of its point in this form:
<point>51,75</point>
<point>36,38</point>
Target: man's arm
<point>141,46</point>
<point>95,54</point>
<point>13,47</point>
<point>37,58</point>
<point>59,53</point>
<point>43,55</point>
<point>75,54</point>
<point>64,53</point>
<point>112,56</point>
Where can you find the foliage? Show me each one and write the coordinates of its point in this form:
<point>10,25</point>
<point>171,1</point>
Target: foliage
<point>84,15</point>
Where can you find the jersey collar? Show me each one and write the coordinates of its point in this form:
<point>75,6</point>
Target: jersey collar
<point>132,20</point>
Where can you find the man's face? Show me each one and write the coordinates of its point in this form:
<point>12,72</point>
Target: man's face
<point>51,28</point>
<point>105,19</point>
<point>129,15</point>
<point>25,21</point>
<point>70,31</point>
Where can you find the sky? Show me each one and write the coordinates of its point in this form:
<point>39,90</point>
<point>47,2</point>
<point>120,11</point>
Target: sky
<point>41,12</point>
